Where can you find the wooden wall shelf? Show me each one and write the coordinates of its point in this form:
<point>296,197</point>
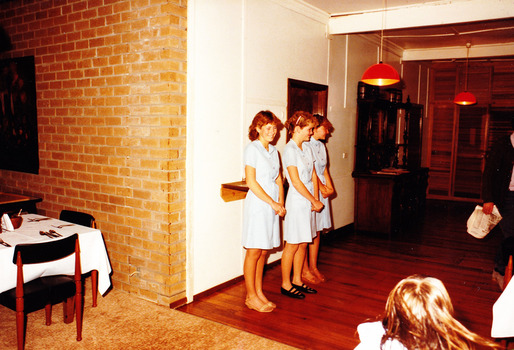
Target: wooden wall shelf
<point>233,191</point>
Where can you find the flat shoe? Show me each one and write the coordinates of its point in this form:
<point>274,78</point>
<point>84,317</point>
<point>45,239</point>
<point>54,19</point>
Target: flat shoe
<point>263,308</point>
<point>270,303</point>
<point>311,280</point>
<point>292,293</point>
<point>305,288</point>
<point>320,276</point>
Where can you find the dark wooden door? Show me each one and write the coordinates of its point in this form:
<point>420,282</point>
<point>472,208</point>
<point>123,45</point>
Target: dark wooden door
<point>470,156</point>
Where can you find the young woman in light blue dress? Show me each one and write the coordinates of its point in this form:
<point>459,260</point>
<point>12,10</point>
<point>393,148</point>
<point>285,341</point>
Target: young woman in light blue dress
<point>301,202</point>
<point>324,128</point>
<point>263,205</point>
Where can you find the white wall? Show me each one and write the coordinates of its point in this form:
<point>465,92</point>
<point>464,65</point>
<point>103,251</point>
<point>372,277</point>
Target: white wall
<point>341,112</point>
<point>240,55</point>
<point>214,141</point>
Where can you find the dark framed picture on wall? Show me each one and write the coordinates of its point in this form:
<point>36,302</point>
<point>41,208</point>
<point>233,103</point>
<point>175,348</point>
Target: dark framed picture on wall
<point>18,115</point>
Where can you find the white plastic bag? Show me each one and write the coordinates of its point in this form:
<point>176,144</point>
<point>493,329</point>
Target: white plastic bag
<point>480,224</point>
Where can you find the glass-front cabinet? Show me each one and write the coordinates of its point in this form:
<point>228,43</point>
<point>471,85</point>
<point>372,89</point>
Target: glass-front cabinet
<point>390,186</point>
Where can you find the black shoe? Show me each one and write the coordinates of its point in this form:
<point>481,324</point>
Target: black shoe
<point>292,293</point>
<point>305,288</point>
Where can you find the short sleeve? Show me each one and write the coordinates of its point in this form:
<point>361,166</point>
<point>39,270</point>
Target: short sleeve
<point>290,158</point>
<point>250,156</point>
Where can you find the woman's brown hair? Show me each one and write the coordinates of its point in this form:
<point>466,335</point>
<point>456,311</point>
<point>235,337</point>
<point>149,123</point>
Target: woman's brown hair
<point>262,118</point>
<point>323,121</point>
<point>419,314</point>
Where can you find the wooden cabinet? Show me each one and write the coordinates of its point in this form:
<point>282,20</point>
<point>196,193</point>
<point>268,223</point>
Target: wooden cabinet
<point>385,202</point>
<point>390,186</point>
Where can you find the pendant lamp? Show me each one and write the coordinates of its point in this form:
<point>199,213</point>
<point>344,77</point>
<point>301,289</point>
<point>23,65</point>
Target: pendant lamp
<point>465,98</point>
<point>381,74</point>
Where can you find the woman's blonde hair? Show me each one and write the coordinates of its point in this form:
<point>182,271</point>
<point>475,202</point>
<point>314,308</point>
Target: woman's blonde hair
<point>261,119</point>
<point>419,314</point>
<point>301,119</point>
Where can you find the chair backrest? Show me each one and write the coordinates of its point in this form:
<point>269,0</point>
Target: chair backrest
<point>78,218</point>
<point>52,290</point>
<point>45,252</point>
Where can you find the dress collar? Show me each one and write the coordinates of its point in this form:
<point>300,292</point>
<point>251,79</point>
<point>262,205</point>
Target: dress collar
<point>271,149</point>
<point>314,141</point>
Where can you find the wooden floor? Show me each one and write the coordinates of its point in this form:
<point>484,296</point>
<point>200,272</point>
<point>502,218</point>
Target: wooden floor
<point>362,269</point>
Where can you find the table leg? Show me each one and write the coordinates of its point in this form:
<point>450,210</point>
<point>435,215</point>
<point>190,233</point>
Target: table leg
<point>94,284</point>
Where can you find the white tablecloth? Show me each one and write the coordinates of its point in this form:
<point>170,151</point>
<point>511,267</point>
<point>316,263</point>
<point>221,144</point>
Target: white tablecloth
<point>503,314</point>
<point>93,254</point>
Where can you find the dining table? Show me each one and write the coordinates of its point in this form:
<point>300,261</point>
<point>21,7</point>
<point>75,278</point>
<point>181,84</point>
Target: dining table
<point>38,229</point>
<point>503,314</point>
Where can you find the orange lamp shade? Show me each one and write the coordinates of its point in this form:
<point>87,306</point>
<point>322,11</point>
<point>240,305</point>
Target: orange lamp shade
<point>465,98</point>
<point>380,74</point>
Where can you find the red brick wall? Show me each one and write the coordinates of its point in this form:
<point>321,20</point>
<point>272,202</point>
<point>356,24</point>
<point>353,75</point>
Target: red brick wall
<point>111,105</point>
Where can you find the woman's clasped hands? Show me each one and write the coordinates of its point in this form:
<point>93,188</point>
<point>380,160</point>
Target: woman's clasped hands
<point>317,206</point>
<point>279,209</point>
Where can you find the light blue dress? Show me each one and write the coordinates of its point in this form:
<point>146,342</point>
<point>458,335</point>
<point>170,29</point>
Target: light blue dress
<point>299,222</point>
<point>323,220</point>
<point>261,228</point>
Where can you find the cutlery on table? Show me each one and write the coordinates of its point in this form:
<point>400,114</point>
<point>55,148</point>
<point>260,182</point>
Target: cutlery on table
<point>48,234</point>
<point>43,233</point>
<point>2,242</point>
<point>61,226</point>
<point>38,220</point>
<point>57,234</point>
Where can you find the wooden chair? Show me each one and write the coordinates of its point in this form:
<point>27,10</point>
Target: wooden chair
<point>78,218</point>
<point>46,291</point>
<point>84,219</point>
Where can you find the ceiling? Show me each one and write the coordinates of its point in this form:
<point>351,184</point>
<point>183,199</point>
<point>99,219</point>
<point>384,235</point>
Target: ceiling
<point>424,29</point>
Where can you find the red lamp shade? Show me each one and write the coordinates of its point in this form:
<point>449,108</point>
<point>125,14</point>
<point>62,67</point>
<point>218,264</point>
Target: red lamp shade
<point>465,98</point>
<point>380,74</point>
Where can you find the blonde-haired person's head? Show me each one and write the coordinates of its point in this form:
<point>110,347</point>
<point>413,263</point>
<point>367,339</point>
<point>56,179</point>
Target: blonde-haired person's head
<point>300,119</point>
<point>419,314</point>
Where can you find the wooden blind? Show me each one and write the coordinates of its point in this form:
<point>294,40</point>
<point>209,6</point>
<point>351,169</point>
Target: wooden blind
<point>502,89</point>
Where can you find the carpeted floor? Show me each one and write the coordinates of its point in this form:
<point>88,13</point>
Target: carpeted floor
<point>122,321</point>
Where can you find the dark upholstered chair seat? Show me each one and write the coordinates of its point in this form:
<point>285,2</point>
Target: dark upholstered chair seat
<point>37,293</point>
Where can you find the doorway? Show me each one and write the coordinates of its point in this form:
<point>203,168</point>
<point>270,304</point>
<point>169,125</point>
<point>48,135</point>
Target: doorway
<point>307,97</point>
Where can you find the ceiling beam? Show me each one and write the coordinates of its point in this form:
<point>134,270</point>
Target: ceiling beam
<point>445,53</point>
<point>427,14</point>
